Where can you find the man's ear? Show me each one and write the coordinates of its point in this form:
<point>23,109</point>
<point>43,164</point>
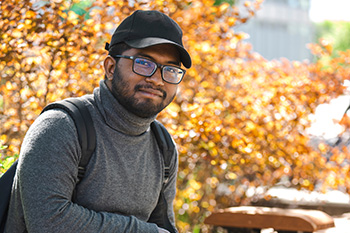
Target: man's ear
<point>109,66</point>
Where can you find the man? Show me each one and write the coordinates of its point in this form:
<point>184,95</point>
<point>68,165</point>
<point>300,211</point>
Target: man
<point>123,179</point>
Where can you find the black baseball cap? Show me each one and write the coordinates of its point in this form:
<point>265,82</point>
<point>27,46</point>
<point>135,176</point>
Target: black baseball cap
<point>147,28</point>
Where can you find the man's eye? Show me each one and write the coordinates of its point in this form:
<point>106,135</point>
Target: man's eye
<point>144,62</point>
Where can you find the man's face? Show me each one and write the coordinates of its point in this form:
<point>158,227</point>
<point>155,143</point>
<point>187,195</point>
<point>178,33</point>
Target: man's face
<point>144,96</point>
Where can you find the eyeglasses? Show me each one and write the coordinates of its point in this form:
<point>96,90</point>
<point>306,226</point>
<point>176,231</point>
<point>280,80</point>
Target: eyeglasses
<point>145,67</point>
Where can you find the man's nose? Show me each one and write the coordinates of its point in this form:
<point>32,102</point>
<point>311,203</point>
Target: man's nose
<point>156,78</point>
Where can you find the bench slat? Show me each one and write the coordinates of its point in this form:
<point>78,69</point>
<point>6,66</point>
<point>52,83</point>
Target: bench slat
<point>264,217</point>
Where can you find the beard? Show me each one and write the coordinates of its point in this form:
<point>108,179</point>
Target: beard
<point>146,108</point>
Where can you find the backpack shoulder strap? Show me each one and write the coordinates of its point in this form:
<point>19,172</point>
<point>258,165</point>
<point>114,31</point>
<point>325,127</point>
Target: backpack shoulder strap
<point>80,114</point>
<point>166,145</point>
<point>6,182</point>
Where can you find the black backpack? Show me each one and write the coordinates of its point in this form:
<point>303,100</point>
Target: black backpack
<point>87,139</point>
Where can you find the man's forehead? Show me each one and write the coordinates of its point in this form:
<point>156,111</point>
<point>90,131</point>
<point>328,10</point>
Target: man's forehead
<point>164,50</point>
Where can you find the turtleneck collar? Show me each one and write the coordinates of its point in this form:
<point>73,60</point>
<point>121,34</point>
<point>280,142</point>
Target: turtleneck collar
<point>116,116</point>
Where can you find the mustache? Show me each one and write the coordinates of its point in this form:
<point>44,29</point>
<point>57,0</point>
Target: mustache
<point>149,86</point>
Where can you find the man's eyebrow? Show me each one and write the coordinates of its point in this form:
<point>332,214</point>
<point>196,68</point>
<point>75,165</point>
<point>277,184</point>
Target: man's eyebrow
<point>177,63</point>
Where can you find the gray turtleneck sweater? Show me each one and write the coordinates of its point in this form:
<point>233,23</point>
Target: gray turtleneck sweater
<point>121,185</point>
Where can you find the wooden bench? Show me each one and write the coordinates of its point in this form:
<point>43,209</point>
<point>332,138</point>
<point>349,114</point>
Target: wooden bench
<point>249,219</point>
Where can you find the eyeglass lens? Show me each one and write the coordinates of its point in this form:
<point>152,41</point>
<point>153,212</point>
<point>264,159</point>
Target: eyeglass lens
<point>146,67</point>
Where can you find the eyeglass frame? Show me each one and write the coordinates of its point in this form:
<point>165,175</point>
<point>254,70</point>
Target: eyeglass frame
<point>157,66</point>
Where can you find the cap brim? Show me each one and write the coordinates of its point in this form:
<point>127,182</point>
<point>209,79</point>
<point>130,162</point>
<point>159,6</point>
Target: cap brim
<point>150,41</point>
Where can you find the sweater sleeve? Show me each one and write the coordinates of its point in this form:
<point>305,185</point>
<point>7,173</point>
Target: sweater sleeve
<point>46,178</point>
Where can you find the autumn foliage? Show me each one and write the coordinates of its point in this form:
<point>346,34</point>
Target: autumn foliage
<point>239,120</point>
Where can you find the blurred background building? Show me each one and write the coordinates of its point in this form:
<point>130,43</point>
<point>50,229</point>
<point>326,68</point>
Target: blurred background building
<point>281,28</point>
